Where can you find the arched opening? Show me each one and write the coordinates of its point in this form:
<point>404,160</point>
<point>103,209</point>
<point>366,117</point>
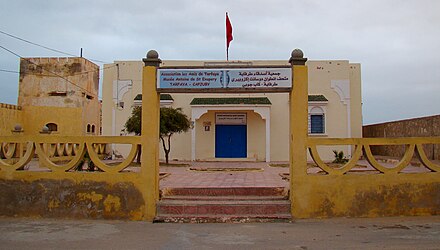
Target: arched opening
<point>257,112</point>
<point>52,127</point>
<point>88,128</point>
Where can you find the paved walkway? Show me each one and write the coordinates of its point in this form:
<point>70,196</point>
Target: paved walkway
<point>240,174</point>
<point>340,233</point>
<point>254,174</point>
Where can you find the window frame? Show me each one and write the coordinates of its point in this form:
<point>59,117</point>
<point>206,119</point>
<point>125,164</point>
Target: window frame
<point>317,108</point>
<point>317,129</point>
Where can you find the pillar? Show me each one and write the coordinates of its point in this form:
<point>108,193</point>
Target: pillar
<point>268,137</point>
<point>298,121</point>
<point>150,134</point>
<point>193,140</point>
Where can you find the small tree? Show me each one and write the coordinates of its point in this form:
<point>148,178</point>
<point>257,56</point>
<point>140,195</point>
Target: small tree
<point>171,121</point>
<point>134,125</point>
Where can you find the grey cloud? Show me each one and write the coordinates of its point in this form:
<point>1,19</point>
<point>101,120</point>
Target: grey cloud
<point>395,41</point>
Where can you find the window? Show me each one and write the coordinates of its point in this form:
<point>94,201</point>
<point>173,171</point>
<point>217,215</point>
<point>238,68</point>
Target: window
<point>88,128</point>
<point>58,93</point>
<point>52,127</point>
<point>316,120</point>
<point>317,124</point>
<point>93,128</point>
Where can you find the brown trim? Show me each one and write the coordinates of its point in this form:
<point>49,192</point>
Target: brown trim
<point>226,67</point>
<point>224,90</point>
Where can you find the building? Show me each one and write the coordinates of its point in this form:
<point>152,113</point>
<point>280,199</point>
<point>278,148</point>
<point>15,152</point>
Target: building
<point>237,126</point>
<point>57,96</point>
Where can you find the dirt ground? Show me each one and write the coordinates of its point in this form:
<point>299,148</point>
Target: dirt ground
<point>337,233</point>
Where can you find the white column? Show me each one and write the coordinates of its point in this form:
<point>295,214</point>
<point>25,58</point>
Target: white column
<point>196,113</point>
<point>342,87</point>
<point>193,142</point>
<point>112,146</point>
<point>349,147</point>
<point>264,112</point>
<point>268,138</point>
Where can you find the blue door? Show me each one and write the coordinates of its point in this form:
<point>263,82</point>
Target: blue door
<point>230,141</point>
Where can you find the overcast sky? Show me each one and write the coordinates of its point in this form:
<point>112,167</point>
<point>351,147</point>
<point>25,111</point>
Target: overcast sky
<point>396,42</point>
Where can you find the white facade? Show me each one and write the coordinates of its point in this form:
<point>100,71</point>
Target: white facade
<point>334,111</point>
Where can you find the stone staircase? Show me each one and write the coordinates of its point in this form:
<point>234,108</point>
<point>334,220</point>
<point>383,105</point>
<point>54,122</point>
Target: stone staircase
<point>241,204</point>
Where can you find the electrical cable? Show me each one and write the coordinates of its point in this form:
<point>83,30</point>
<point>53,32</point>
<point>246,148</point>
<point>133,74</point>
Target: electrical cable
<point>45,47</point>
<point>78,73</point>
<point>9,71</point>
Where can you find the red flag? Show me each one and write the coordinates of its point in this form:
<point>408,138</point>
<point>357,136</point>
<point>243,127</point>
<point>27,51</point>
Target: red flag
<point>229,37</point>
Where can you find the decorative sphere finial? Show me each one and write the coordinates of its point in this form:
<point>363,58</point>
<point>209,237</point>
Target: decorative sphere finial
<point>297,57</point>
<point>152,59</point>
<point>297,53</point>
<point>152,54</point>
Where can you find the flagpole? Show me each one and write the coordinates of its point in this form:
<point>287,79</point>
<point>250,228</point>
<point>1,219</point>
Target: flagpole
<point>227,44</point>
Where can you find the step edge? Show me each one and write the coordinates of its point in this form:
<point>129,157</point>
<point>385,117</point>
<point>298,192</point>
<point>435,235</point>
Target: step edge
<point>225,198</point>
<point>222,202</point>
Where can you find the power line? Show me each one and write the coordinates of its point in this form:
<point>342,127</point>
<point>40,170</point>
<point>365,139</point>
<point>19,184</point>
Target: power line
<point>45,47</point>
<point>103,68</point>
<point>29,61</point>
<point>10,51</point>
<point>9,71</point>
<point>36,44</point>
<point>78,73</point>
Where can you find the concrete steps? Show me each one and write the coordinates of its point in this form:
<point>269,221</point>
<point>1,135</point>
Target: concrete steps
<point>225,191</point>
<point>241,204</point>
<point>225,198</point>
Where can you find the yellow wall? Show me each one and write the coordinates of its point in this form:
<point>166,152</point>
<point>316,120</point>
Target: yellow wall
<point>105,195</point>
<point>373,195</point>
<point>68,120</point>
<point>33,118</point>
<point>79,87</point>
<point>11,115</point>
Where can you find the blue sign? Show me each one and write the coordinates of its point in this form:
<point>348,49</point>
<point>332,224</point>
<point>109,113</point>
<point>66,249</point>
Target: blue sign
<point>249,78</point>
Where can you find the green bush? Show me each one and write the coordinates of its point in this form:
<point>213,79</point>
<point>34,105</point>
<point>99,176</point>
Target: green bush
<point>339,157</point>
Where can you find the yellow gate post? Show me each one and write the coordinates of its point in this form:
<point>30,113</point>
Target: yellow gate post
<point>150,134</point>
<point>298,122</point>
